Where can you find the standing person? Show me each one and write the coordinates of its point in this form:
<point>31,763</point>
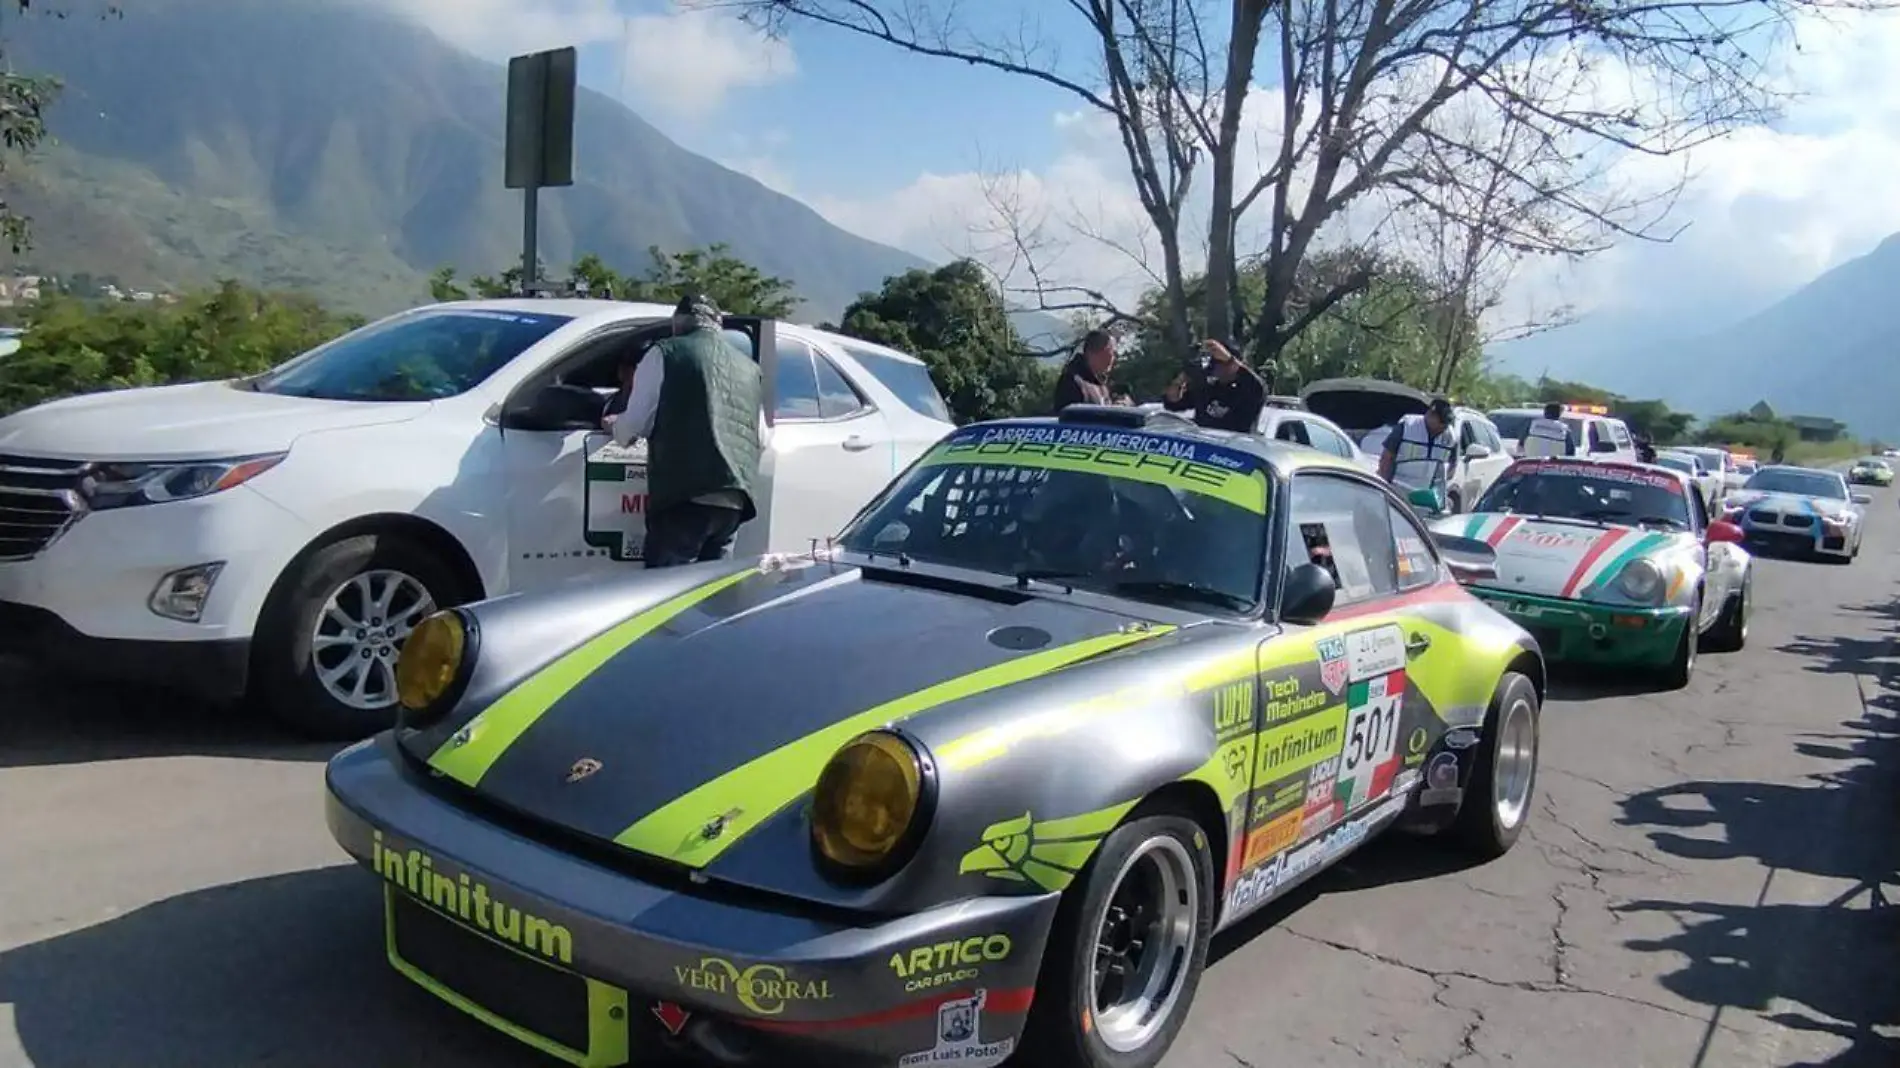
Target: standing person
<point>1549,436</point>
<point>1084,379</point>
<point>1228,396</point>
<point>617,404</point>
<point>1419,452</point>
<point>696,399</point>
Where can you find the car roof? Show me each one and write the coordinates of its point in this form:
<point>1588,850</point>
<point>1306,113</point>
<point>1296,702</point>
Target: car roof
<point>1282,456</point>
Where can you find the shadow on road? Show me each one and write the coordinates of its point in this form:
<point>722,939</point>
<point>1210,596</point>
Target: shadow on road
<point>287,970</point>
<point>47,720</point>
<point>1819,968</point>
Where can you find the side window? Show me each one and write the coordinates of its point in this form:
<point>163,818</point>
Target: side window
<point>1345,527</point>
<point>1698,508</point>
<point>836,398</point>
<point>1491,438</point>
<point>1413,560</point>
<point>797,394</point>
<point>1468,434</point>
<point>1293,430</point>
<point>1598,436</point>
<point>1618,434</point>
<point>1327,440</point>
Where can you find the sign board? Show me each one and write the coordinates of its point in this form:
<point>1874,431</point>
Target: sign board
<point>615,513</point>
<point>540,147</point>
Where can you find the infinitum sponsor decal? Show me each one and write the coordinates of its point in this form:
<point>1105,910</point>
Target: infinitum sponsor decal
<point>470,901</point>
<point>959,1037</point>
<point>1299,745</point>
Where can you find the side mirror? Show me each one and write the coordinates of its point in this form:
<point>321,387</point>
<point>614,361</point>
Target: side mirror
<point>1477,452</point>
<point>1469,559</point>
<point>1308,596</point>
<point>557,407</point>
<point>1726,532</point>
<point>1428,501</point>
<point>1860,498</point>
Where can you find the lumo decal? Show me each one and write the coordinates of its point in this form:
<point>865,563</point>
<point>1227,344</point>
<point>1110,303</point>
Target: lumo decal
<point>1045,853</point>
<point>760,989</point>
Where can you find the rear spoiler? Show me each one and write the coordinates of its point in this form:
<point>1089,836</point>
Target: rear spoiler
<point>1470,560</point>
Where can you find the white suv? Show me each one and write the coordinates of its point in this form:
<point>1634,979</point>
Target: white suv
<point>279,536</point>
<point>1369,408</point>
<point>1599,436</point>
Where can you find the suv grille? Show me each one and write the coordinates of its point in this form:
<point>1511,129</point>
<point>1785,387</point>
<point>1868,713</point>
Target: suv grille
<point>39,499</point>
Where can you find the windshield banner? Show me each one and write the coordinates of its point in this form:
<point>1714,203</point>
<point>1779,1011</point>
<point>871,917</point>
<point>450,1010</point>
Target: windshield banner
<point>1196,467</point>
<point>1601,473</point>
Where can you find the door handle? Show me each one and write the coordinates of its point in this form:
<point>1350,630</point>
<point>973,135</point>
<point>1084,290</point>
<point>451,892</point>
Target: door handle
<point>854,443</point>
<point>1416,644</point>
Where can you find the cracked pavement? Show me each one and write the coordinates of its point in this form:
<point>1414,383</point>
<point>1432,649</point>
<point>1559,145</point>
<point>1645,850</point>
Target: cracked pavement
<point>1703,884</point>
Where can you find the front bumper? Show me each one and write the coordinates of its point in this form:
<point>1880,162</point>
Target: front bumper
<point>1580,632</point>
<point>216,671</point>
<point>599,965</point>
<point>1817,540</point>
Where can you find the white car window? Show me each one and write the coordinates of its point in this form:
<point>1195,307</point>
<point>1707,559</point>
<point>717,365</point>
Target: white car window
<point>837,398</point>
<point>1293,430</point>
<point>1618,434</point>
<point>910,381</point>
<point>1326,439</point>
<point>797,394</point>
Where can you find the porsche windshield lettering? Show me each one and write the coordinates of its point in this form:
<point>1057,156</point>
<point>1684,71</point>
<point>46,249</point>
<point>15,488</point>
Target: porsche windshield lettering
<point>1105,456</point>
<point>470,901</point>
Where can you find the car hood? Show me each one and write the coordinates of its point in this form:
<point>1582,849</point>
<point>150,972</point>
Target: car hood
<point>199,420</point>
<point>1363,404</point>
<point>724,713</point>
<point>1561,557</point>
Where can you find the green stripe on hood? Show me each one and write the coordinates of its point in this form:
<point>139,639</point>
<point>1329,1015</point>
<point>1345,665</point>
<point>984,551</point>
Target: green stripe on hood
<point>753,793</point>
<point>1641,546</point>
<point>488,736</point>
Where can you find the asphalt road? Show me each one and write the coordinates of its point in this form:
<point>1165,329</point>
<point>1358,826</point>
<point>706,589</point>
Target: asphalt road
<point>1700,886</point>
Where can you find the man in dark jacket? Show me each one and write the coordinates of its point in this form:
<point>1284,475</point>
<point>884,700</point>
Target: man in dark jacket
<point>696,399</point>
<point>1084,379</point>
<point>1227,395</point>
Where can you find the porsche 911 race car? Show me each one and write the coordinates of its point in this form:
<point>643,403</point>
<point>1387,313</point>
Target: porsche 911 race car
<point>1612,563</point>
<point>1802,511</point>
<point>1870,471</point>
<point>981,779</point>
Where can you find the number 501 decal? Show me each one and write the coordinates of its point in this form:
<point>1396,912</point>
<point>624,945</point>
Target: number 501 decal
<point>1370,759</point>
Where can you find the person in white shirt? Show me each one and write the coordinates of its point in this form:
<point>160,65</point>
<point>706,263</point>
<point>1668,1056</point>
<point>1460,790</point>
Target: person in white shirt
<point>1420,450</point>
<point>1549,436</point>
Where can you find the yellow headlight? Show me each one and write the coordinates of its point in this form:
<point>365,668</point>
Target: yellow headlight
<point>430,660</point>
<point>866,799</point>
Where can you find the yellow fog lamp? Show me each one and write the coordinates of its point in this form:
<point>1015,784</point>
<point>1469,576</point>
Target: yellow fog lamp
<point>871,802</point>
<point>430,665</point>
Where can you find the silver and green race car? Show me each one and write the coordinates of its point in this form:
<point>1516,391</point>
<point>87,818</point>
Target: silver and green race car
<point>982,779</point>
<point>1871,471</point>
<point>1612,563</point>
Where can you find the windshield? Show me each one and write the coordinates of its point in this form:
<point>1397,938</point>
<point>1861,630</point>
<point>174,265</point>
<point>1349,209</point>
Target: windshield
<point>421,357</point>
<point>1870,461</point>
<point>1146,516</point>
<point>1798,482</point>
<point>1679,463</point>
<point>1512,426</point>
<point>1592,492</point>
<point>1716,459</point>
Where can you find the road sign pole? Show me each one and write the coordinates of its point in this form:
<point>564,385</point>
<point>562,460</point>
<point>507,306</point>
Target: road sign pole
<point>530,235</point>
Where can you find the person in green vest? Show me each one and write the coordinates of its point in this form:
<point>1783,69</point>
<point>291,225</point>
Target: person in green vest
<point>696,400</point>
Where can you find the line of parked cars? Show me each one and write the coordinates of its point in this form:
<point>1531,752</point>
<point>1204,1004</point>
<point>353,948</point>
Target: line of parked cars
<point>798,805</point>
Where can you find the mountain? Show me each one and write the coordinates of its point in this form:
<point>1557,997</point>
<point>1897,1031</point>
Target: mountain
<point>1826,349</point>
<point>322,145</point>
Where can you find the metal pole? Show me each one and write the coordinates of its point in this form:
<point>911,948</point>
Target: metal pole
<point>530,221</point>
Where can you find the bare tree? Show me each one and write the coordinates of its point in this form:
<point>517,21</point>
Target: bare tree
<point>1375,104</point>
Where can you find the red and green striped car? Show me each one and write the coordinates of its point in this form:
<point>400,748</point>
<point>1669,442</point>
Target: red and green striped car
<point>1611,563</point>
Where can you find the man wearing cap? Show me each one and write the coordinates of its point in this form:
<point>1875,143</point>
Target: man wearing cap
<point>1228,396</point>
<point>1420,450</point>
<point>696,399</point>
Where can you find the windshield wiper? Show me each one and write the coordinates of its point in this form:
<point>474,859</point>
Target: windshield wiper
<point>1045,574</point>
<point>1192,591</point>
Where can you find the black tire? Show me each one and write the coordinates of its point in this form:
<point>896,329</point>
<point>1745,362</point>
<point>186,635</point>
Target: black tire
<point>1454,503</point>
<point>1481,829</point>
<point>1056,1035</point>
<point>1681,667</point>
<point>1730,632</point>
<point>284,671</point>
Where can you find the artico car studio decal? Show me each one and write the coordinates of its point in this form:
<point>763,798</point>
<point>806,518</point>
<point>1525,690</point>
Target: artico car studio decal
<point>1230,475</point>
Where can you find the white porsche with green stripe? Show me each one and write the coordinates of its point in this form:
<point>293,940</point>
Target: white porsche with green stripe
<point>1068,697</point>
<point>1612,563</point>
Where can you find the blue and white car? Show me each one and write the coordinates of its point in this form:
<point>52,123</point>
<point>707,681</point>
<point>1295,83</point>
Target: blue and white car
<point>1799,510</point>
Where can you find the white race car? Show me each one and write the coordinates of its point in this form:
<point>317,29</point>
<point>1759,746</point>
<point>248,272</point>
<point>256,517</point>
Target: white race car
<point>1799,510</point>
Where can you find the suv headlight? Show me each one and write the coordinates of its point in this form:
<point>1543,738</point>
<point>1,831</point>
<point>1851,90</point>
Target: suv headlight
<point>122,485</point>
<point>871,801</point>
<point>1641,581</point>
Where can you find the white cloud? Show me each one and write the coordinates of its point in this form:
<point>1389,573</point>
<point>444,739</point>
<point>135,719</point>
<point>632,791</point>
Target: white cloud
<point>1767,207</point>
<point>684,62</point>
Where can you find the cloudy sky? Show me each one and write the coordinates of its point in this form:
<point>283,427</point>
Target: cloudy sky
<point>901,149</point>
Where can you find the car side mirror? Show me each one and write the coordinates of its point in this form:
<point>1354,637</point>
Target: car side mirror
<point>1428,501</point>
<point>557,406</point>
<point>1725,532</point>
<point>1469,559</point>
<point>1860,498</point>
<point>1308,596</point>
<point>1477,452</point>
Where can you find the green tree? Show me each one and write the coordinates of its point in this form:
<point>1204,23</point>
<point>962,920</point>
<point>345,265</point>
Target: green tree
<point>954,320</point>
<point>737,286</point>
<point>1655,420</point>
<point>74,346</point>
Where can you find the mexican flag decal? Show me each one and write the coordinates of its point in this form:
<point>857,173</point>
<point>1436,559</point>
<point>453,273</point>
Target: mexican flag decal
<point>1371,759</point>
